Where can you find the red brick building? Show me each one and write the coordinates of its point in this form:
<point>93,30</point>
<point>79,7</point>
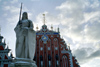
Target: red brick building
<point>52,51</point>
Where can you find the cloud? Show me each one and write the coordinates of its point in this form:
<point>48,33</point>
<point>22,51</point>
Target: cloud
<point>92,32</point>
<point>92,63</point>
<point>95,54</point>
<point>13,12</point>
<point>85,55</point>
<point>75,16</point>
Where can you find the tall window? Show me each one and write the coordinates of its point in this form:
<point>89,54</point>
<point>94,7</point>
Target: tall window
<point>57,62</point>
<point>64,61</point>
<point>49,61</point>
<point>41,61</point>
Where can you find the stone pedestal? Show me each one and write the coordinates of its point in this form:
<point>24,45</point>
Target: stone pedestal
<point>22,62</point>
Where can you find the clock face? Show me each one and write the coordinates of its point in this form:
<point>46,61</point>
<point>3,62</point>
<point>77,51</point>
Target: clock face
<point>44,38</point>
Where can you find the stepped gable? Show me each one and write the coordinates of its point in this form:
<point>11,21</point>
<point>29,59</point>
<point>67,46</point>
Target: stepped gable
<point>5,60</point>
<point>52,51</point>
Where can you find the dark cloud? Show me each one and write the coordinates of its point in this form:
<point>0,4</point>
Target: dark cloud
<point>94,54</point>
<point>83,55</point>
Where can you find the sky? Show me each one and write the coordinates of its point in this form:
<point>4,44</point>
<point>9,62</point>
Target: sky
<point>78,20</point>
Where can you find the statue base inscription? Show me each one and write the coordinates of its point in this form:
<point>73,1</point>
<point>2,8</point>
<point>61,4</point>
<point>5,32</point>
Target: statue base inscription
<point>22,62</point>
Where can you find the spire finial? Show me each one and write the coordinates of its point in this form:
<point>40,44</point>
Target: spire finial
<point>44,19</point>
<point>58,28</point>
<point>8,45</point>
<point>51,27</point>
<point>37,27</point>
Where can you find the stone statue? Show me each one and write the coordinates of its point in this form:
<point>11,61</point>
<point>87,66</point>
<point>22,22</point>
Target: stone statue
<point>25,38</point>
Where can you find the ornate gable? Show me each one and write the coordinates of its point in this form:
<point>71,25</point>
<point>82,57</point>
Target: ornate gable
<point>51,49</point>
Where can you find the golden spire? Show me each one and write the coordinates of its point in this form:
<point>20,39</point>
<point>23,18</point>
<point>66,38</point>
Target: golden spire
<point>44,19</point>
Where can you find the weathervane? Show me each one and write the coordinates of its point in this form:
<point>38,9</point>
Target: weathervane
<point>44,19</point>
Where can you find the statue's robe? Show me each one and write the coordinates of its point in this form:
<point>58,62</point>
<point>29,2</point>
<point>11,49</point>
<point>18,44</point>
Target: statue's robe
<point>25,39</point>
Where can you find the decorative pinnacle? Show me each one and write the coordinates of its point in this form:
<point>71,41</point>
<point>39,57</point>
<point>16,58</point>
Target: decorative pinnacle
<point>69,46</point>
<point>44,19</point>
<point>51,27</point>
<point>58,29</point>
<point>7,47</point>
<point>37,27</point>
<point>4,41</point>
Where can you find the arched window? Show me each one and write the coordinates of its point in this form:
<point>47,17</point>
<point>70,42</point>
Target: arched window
<point>55,43</point>
<point>64,61</point>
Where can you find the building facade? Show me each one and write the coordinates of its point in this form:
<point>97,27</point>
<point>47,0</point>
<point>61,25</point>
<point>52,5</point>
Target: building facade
<point>52,51</point>
<point>5,60</point>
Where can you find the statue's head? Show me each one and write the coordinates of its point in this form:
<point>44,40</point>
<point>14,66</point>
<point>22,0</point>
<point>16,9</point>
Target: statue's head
<point>24,16</point>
